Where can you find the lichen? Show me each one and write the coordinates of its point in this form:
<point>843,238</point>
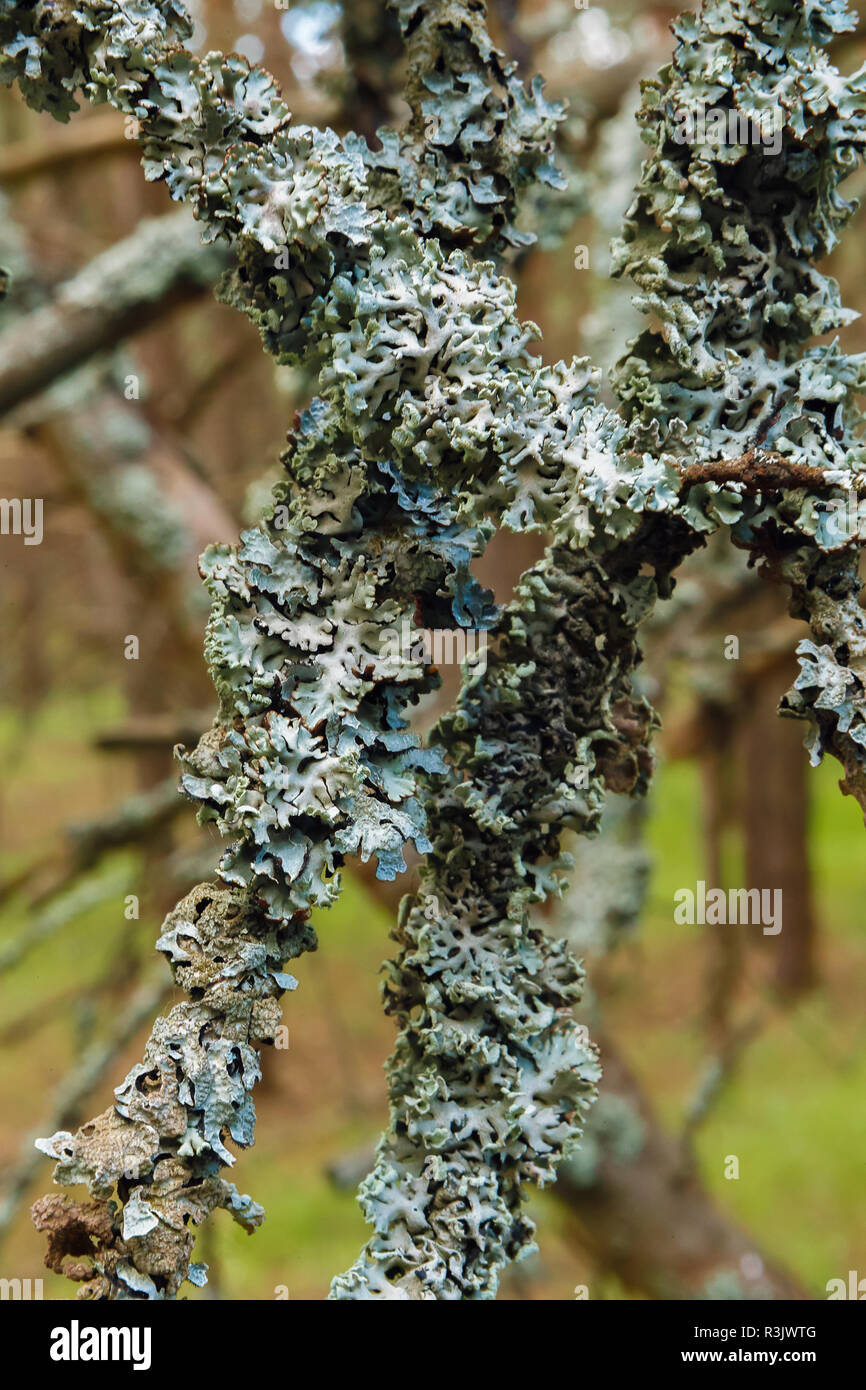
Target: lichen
<point>435,422</point>
<point>152,1160</point>
<point>491,1075</point>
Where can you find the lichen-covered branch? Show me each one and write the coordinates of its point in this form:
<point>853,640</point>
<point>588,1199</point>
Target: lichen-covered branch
<point>723,241</point>
<point>830,691</point>
<point>310,760</point>
<point>490,1077</point>
<point>624,1190</point>
<point>88,1071</point>
<point>435,422</point>
<point>432,1239</point>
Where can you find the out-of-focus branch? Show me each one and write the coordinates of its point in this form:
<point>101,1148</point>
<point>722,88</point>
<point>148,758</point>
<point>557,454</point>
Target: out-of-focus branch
<point>123,290</point>
<point>183,869</point>
<point>102,133</point>
<point>132,822</point>
<point>58,915</point>
<point>154,731</point>
<point>77,1086</point>
<point>156,512</point>
<point>655,1227</point>
<point>718,1075</point>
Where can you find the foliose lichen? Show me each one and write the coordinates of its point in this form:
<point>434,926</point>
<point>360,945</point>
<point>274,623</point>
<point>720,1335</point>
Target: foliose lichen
<point>436,421</point>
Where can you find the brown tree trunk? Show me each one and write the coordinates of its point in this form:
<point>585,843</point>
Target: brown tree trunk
<point>775,826</point>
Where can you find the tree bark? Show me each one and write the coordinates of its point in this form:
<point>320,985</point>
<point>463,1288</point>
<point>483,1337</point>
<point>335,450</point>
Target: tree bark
<point>775,826</point>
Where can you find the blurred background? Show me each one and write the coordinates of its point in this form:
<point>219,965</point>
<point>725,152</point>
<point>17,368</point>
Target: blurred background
<point>725,1158</point>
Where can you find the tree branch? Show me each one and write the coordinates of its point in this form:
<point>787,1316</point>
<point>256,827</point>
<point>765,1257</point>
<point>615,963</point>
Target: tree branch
<point>159,267</point>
